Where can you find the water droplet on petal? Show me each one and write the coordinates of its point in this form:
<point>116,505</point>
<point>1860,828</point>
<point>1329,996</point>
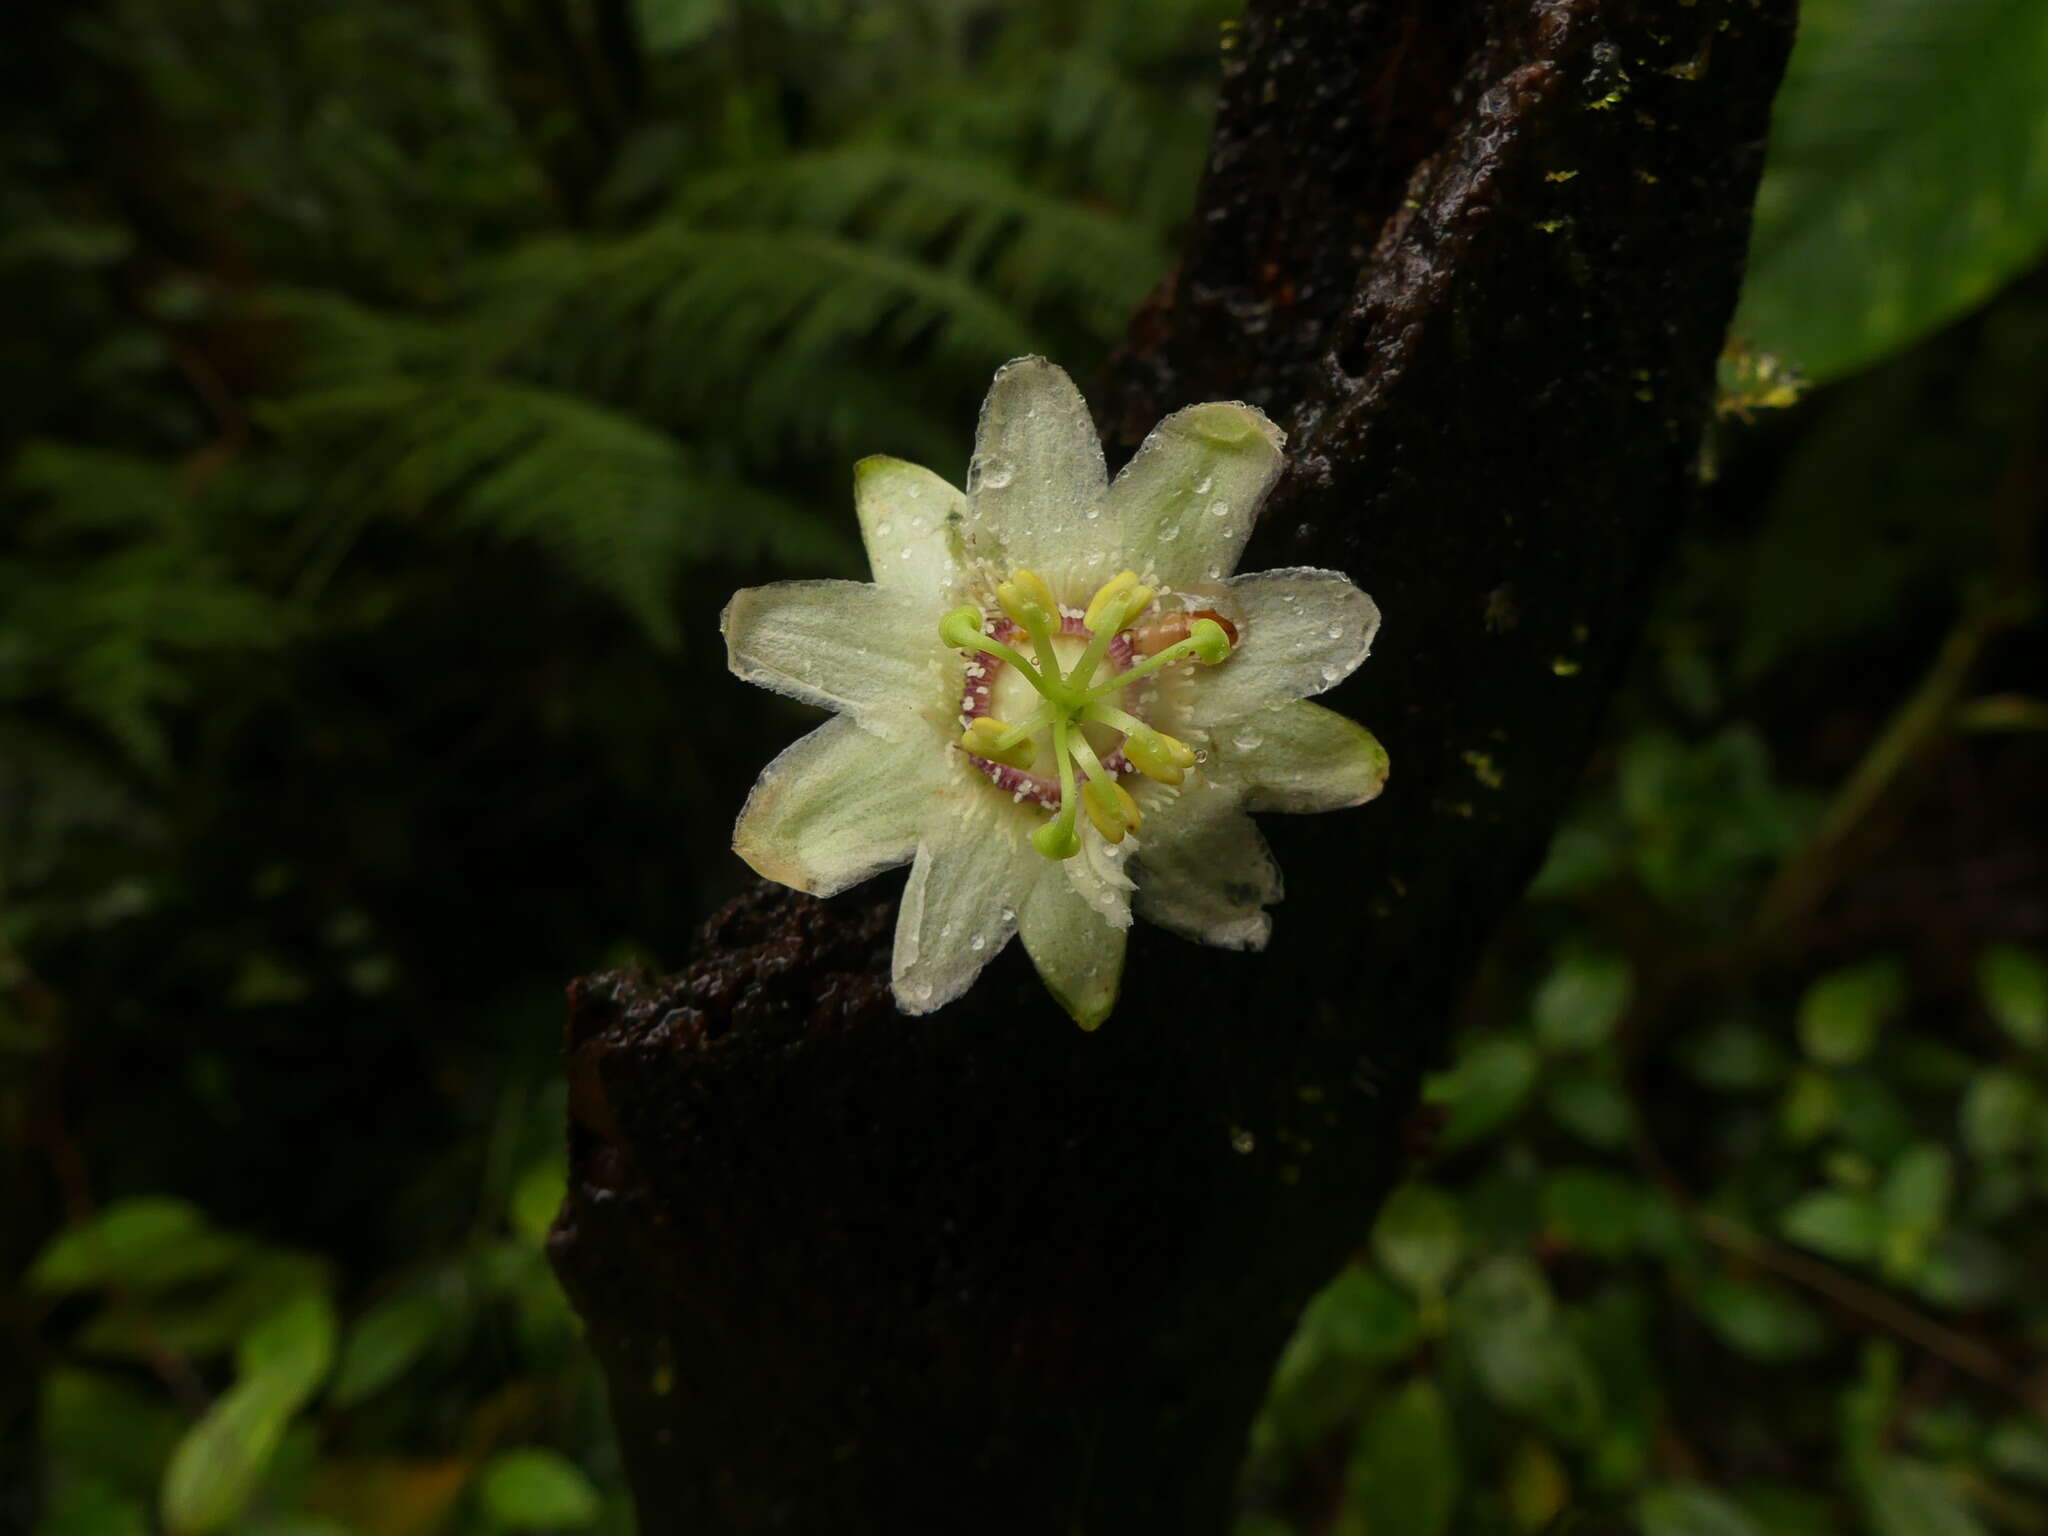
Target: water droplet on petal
<point>1219,508</point>
<point>1169,533</point>
<point>1331,672</point>
<point>1246,739</point>
<point>1336,631</point>
<point>979,941</point>
<point>995,474</point>
<point>884,526</point>
<point>1202,485</point>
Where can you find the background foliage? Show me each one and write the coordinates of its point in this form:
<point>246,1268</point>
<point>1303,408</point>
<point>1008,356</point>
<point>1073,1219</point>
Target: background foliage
<point>396,392</point>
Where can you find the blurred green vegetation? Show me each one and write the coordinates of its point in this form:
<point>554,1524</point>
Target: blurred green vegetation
<point>397,390</point>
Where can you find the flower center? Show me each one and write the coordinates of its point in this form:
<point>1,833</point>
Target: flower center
<point>1071,696</point>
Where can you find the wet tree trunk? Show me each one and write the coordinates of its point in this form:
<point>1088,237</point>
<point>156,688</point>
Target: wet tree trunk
<point>849,1271</point>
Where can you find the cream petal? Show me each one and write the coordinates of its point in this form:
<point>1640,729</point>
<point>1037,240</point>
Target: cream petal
<point>868,651</point>
<point>1080,958</point>
<point>1099,876</point>
<point>908,521</point>
<point>1299,757</point>
<point>1035,488</point>
<point>1304,631</point>
<point>960,907</point>
<point>1185,504</point>
<point>835,807</point>
<point>1206,873</point>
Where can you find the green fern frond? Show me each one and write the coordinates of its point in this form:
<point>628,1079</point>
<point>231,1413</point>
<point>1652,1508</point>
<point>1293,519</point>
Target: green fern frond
<point>969,217</point>
<point>623,507</point>
<point>121,633</point>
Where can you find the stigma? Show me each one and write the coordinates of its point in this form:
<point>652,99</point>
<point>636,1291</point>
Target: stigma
<point>1072,739</point>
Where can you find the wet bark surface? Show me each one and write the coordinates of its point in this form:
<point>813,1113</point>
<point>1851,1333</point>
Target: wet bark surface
<point>851,1271</point>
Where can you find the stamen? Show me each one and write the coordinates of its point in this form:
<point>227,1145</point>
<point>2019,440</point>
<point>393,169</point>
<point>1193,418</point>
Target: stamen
<point>1206,643</point>
<point>1115,605</point>
<point>1153,753</point>
<point>1007,752</point>
<point>1025,590</point>
<point>962,630</point>
<point>997,743</point>
<point>1057,839</point>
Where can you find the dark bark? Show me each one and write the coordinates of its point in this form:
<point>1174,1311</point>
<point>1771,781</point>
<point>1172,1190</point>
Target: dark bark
<point>852,1271</point>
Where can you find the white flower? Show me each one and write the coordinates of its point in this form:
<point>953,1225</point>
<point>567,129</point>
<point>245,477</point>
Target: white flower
<point>1044,795</point>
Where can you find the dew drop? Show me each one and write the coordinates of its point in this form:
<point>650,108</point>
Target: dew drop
<point>1331,672</point>
<point>979,941</point>
<point>1241,1140</point>
<point>1169,533</point>
<point>1202,485</point>
<point>996,473</point>
<point>903,554</point>
<point>1219,508</point>
<point>884,526</point>
<point>1009,915</point>
<point>945,930</point>
<point>1336,631</point>
<point>1246,739</point>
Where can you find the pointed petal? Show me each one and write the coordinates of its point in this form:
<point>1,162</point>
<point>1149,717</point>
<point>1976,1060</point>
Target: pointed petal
<point>838,806</point>
<point>1300,757</point>
<point>960,906</point>
<point>1304,630</point>
<point>871,652</point>
<point>907,521</point>
<point>1205,873</point>
<point>1080,958</point>
<point>1037,475</point>
<point>1186,502</point>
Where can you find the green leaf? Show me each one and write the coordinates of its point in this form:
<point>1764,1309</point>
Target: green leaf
<point>141,1244</point>
<point>1916,1196</point>
<point>1593,1108</point>
<point>1998,1111</point>
<point>1692,1509</point>
<point>1763,1322</point>
<point>1810,1107</point>
<point>1905,182</point>
<point>1404,1468</point>
<point>533,1489</point>
<point>1417,1237</point>
<point>1913,1498</point>
<point>2019,1448</point>
<point>85,1507</point>
<point>211,1321</point>
<point>1840,1014</point>
<point>1842,1226</point>
<point>1593,1209</point>
<point>108,1426</point>
<point>1507,1324</point>
<point>536,1198</point>
<point>1488,1082</point>
<point>383,1344</point>
<point>1734,1057</point>
<point>2014,985</point>
<point>292,1347</point>
<point>218,1466</point>
<point>1582,999</point>
<point>1357,1317</point>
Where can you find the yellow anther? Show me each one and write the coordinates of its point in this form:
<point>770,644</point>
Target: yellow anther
<point>1026,590</point>
<point>1110,807</point>
<point>981,739</point>
<point>1118,601</point>
<point>1158,755</point>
